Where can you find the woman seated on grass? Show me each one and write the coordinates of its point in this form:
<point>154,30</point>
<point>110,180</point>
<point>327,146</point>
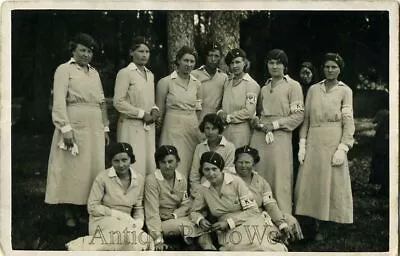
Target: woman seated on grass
<point>116,193</point>
<point>167,202</point>
<point>227,198</point>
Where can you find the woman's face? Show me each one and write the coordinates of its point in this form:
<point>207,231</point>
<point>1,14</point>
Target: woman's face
<point>244,165</point>
<point>121,163</point>
<point>210,131</point>
<point>331,70</point>
<point>212,173</point>
<point>306,75</point>
<point>168,165</point>
<point>237,66</point>
<point>186,63</point>
<point>275,68</point>
<point>140,56</point>
<point>83,55</point>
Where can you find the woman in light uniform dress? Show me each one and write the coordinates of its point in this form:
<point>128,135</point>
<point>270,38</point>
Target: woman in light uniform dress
<point>239,99</point>
<point>134,100</point>
<point>178,98</point>
<point>281,110</point>
<point>323,187</point>
<point>227,198</point>
<point>81,131</point>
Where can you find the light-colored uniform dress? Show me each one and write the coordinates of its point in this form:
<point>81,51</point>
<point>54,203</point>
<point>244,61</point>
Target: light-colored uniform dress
<point>78,104</point>
<point>235,204</point>
<point>225,148</point>
<point>284,104</point>
<point>239,102</point>
<point>323,191</point>
<point>134,95</point>
<point>266,202</point>
<point>107,232</point>
<point>212,87</point>
<point>161,201</point>
<point>178,104</point>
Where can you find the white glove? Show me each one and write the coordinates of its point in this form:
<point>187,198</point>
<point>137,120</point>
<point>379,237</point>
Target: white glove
<point>269,137</point>
<point>302,151</point>
<point>340,155</point>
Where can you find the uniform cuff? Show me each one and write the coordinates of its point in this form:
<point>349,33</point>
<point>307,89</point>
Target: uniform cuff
<point>283,225</point>
<point>231,223</point>
<point>66,128</point>
<point>198,220</point>
<point>275,124</point>
<point>155,107</point>
<point>106,129</point>
<point>141,113</point>
<point>219,111</point>
<point>175,216</point>
<point>343,147</point>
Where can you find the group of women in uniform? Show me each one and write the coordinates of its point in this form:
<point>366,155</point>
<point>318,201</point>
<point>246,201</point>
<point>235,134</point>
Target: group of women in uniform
<point>223,163</point>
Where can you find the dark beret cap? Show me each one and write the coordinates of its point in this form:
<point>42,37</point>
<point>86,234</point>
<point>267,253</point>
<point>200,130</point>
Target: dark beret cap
<point>234,53</point>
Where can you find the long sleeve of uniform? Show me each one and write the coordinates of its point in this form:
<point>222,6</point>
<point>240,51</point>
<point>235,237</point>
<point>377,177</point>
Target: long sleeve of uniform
<point>94,204</point>
<point>194,176</point>
<point>161,95</point>
<point>103,106</point>
<point>122,84</point>
<point>249,109</point>
<point>296,115</point>
<point>197,208</point>
<point>229,161</point>
<point>152,207</point>
<point>247,203</point>
<point>306,123</point>
<point>271,206</point>
<point>347,118</point>
<point>60,91</point>
<point>184,208</point>
<point>138,210</point>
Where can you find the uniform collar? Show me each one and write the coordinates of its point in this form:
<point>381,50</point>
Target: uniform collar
<point>228,178</point>
<point>245,77</point>
<point>285,77</point>
<point>203,68</point>
<point>72,60</point>
<point>223,142</point>
<point>322,85</point>
<point>113,173</point>
<point>160,177</point>
<point>132,66</point>
<point>174,75</point>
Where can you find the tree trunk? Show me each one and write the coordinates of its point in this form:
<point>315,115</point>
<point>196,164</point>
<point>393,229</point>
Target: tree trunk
<point>225,29</point>
<point>180,32</point>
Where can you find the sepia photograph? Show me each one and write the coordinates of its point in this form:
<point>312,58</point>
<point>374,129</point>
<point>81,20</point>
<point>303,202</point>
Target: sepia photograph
<point>187,127</point>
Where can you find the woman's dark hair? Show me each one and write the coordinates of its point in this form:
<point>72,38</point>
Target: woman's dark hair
<point>211,157</point>
<point>248,150</point>
<point>213,119</point>
<point>137,41</point>
<point>83,39</point>
<point>280,55</point>
<point>121,147</point>
<point>185,50</point>
<point>164,151</point>
<point>334,57</point>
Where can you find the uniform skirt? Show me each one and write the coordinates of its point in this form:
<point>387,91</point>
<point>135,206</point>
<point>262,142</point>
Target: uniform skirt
<point>70,178</point>
<point>142,141</point>
<point>238,134</point>
<point>181,129</point>
<point>323,191</point>
<point>276,165</point>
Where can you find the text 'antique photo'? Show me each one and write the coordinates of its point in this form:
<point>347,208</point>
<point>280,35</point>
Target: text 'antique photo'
<point>200,130</point>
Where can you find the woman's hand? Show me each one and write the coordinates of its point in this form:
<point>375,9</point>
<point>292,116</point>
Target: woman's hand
<point>147,118</point>
<point>169,217</point>
<point>267,127</point>
<point>286,235</point>
<point>159,244</point>
<point>340,155</point>
<point>255,123</point>
<point>68,138</point>
<point>302,151</point>
<point>107,138</point>
<point>220,226</point>
<point>155,114</point>
<point>205,224</point>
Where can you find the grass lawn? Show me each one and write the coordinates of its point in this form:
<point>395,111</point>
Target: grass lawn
<point>36,226</point>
